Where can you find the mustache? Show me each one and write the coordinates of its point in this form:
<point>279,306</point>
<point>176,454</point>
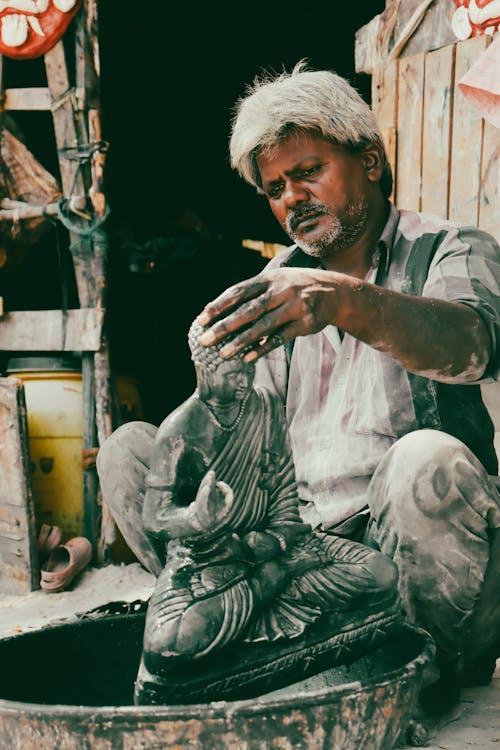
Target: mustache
<point>302,212</point>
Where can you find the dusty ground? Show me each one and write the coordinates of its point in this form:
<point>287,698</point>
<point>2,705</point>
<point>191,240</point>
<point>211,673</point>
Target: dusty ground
<point>474,724</point>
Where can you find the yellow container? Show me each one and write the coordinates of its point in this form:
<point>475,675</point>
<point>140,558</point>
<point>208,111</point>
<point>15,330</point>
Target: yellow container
<point>53,391</point>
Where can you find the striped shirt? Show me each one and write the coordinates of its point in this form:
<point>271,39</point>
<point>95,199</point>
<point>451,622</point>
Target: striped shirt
<point>347,403</point>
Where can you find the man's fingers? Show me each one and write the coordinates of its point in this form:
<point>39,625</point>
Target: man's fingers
<point>249,312</point>
<point>264,326</point>
<point>279,338</point>
<point>233,296</point>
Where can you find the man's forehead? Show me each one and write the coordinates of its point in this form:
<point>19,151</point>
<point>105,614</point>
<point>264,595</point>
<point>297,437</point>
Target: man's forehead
<point>295,150</point>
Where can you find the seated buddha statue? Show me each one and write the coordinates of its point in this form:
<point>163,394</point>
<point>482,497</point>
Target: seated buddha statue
<point>241,566</point>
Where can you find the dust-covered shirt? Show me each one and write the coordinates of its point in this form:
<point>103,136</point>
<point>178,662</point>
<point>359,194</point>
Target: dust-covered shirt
<point>347,403</point>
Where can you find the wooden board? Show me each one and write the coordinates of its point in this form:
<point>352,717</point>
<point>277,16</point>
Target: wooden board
<point>434,30</point>
<point>384,105</point>
<point>51,330</point>
<point>438,95</point>
<point>409,144</point>
<point>18,560</point>
<point>27,99</point>
<point>489,190</point>
<point>467,139</point>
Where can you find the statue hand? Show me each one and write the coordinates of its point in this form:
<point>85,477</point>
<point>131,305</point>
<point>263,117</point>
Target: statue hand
<point>213,502</point>
<point>263,546</point>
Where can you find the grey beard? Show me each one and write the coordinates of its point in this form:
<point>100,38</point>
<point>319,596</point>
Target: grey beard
<point>339,235</point>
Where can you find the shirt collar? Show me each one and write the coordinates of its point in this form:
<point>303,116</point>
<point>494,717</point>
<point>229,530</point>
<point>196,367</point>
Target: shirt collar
<point>298,258</point>
<point>386,241</point>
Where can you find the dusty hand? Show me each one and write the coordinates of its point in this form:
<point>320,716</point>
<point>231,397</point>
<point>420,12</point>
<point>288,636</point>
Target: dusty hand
<point>273,308</point>
<point>212,503</point>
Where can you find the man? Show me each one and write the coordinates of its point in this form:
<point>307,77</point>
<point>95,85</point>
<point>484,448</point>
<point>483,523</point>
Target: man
<point>377,327</point>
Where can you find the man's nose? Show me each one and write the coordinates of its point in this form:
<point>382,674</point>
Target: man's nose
<point>294,194</point>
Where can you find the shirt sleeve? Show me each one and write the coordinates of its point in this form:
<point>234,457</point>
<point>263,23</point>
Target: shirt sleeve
<point>466,269</point>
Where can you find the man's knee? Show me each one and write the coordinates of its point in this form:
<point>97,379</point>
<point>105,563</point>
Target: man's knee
<point>416,450</point>
<point>131,439</point>
<point>427,478</point>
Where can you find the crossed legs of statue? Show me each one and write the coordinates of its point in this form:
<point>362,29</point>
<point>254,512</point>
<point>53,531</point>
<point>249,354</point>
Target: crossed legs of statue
<point>436,513</point>
<point>289,593</point>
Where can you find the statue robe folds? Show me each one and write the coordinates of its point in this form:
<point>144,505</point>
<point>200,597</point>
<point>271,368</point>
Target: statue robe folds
<point>214,591</point>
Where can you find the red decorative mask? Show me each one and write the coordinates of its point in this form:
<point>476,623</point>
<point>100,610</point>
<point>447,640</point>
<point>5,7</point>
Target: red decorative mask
<point>475,17</point>
<point>29,28</point>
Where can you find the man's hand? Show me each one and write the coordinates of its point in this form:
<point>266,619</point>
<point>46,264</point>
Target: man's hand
<point>438,339</point>
<point>272,308</point>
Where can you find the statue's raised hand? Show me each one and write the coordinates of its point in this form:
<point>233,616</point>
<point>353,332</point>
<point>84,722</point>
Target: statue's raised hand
<point>213,502</point>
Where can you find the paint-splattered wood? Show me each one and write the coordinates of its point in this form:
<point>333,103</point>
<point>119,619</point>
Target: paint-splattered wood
<point>18,559</point>
<point>52,331</point>
<point>433,32</point>
<point>409,144</point>
<point>27,99</point>
<point>384,105</point>
<point>467,138</point>
<point>489,191</point>
<point>438,94</point>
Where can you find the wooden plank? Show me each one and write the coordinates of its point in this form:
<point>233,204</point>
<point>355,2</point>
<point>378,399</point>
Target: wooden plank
<point>365,46</point>
<point>467,138</point>
<point>489,189</point>
<point>51,330</point>
<point>409,142</point>
<point>384,105</point>
<point>34,99</point>
<point>62,112</point>
<point>384,95</point>
<point>434,30</point>
<point>18,555</point>
<point>438,96</point>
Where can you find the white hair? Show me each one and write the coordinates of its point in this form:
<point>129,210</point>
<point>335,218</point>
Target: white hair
<point>320,102</point>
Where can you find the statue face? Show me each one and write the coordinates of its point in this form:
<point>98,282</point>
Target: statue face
<point>231,381</point>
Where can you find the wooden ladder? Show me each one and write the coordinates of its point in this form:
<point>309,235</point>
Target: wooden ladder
<point>75,108</point>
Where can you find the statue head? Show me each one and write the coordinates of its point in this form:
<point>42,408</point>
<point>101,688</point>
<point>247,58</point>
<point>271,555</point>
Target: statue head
<point>222,379</point>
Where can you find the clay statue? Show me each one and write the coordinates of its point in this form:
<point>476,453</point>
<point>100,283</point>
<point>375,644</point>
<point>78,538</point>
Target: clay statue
<point>241,565</point>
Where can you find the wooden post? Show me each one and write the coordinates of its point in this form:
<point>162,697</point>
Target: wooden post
<point>76,124</point>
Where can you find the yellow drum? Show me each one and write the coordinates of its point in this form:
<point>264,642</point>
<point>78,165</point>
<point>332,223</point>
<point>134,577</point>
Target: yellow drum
<point>53,391</point>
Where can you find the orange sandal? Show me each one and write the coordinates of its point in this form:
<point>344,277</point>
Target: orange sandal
<point>64,563</point>
<point>48,539</point>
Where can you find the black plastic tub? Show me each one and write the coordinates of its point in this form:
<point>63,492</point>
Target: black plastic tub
<point>70,687</point>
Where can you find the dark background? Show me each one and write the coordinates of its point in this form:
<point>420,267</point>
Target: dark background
<point>170,76</point>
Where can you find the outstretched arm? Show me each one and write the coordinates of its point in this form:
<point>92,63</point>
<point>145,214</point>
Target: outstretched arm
<point>445,341</point>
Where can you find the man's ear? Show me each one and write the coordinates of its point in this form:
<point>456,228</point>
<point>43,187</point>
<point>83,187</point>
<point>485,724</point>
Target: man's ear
<point>373,161</point>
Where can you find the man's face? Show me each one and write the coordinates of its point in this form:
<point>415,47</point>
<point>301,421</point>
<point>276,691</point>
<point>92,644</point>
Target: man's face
<point>231,381</point>
<point>318,191</point>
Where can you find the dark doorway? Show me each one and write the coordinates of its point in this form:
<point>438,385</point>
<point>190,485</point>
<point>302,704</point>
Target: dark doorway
<point>170,78</point>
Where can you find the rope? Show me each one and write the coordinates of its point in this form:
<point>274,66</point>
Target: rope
<point>87,231</point>
<point>83,151</point>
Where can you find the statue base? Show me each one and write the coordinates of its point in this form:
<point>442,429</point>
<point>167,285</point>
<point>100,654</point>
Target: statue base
<point>247,670</point>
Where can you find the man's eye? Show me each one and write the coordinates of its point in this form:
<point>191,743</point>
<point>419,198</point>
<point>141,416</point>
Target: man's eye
<point>275,191</point>
<point>310,171</point>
